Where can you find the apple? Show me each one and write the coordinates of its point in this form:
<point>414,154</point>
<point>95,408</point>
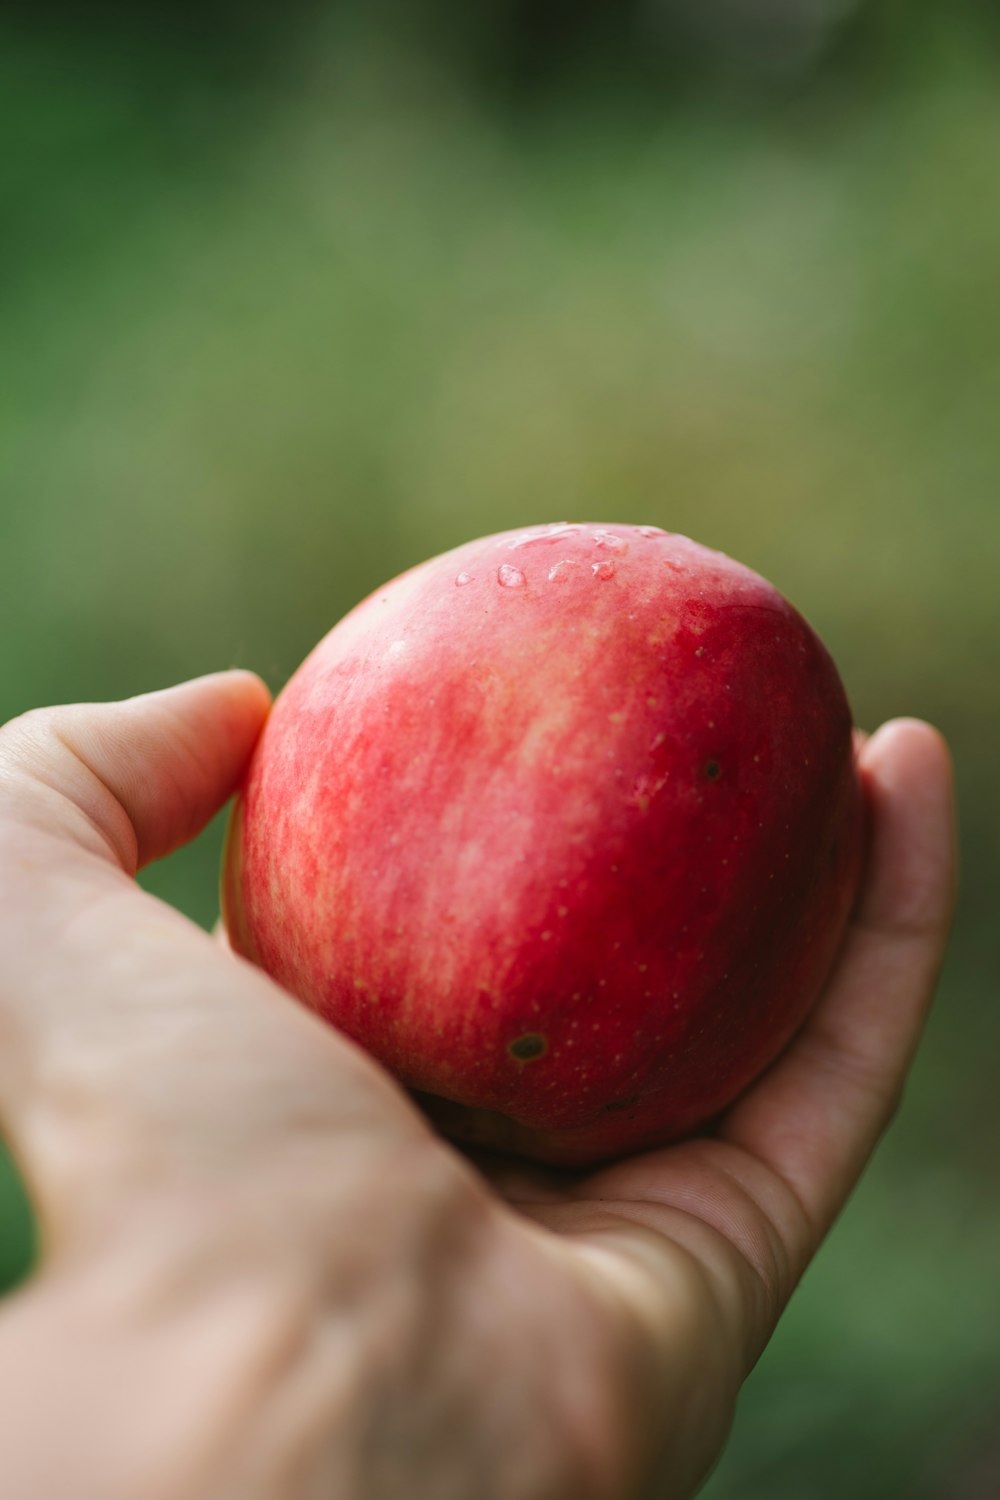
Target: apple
<point>564,827</point>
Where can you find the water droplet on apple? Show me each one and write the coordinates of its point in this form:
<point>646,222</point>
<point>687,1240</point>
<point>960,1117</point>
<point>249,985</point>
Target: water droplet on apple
<point>546,534</point>
<point>463,578</point>
<point>652,531</point>
<point>561,568</point>
<point>604,569</point>
<point>509,577</point>
<point>610,541</point>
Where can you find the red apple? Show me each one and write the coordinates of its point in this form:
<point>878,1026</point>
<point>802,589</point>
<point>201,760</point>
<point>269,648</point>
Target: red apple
<point>564,827</point>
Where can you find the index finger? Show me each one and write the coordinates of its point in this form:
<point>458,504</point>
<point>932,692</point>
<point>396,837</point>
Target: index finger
<point>817,1115</point>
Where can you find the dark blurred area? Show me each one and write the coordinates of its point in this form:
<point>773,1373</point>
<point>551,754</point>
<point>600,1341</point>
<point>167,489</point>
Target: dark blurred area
<point>292,299</point>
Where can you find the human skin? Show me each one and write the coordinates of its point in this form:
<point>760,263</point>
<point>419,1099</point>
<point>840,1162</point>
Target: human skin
<point>262,1275</point>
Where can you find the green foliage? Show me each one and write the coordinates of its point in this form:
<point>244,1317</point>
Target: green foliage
<point>279,321</point>
<point>17,1229</point>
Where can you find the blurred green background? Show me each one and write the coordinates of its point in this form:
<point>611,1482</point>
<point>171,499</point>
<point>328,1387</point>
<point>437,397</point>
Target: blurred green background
<point>291,299</point>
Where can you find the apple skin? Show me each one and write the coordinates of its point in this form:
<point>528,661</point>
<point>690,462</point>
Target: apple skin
<point>564,827</point>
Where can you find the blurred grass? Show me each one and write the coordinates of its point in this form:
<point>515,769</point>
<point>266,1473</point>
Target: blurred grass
<point>273,329</point>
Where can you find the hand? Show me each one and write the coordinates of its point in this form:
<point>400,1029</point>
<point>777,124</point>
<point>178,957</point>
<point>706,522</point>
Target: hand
<point>262,1276</point>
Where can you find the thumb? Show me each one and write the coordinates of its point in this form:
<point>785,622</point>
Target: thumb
<point>88,792</point>
<point>135,780</point>
<point>137,1056</point>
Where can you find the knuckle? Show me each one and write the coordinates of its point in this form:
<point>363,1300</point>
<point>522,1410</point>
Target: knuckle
<point>862,1072</point>
<point>23,737</point>
<point>20,738</point>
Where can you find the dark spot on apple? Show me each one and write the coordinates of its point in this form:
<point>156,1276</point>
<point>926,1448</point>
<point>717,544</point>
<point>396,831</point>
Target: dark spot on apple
<point>712,770</point>
<point>526,1048</point>
<point>615,1104</point>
